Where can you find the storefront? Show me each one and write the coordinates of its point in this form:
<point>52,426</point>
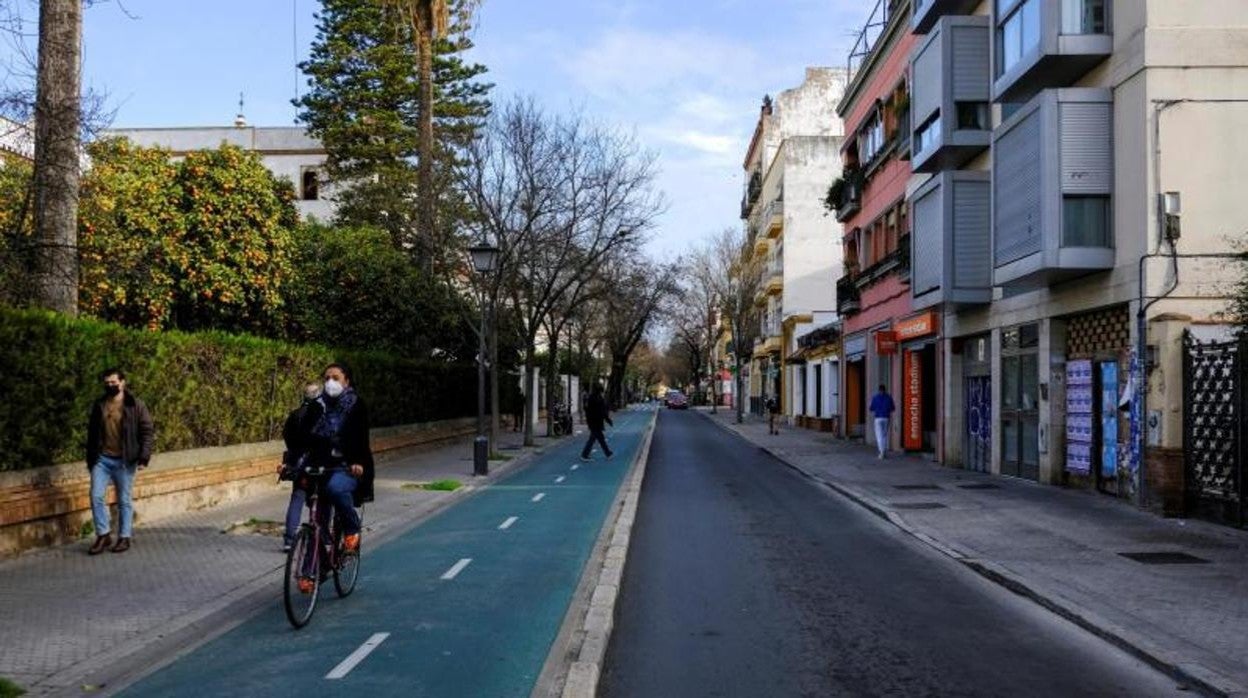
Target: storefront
<point>1097,430</point>
<point>915,339</point>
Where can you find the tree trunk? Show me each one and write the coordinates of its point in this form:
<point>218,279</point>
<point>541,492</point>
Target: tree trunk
<point>58,121</point>
<point>615,383</point>
<point>492,340</point>
<point>552,367</point>
<point>528,396</point>
<point>736,399</point>
<point>426,204</point>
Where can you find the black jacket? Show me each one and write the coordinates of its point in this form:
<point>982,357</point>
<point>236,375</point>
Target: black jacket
<point>353,441</point>
<point>138,434</point>
<point>596,412</point>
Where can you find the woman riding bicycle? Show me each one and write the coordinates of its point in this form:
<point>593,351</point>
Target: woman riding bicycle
<point>339,441</point>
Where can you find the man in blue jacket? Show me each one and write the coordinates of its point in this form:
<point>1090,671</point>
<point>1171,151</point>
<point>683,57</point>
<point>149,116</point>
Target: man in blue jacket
<point>882,408</point>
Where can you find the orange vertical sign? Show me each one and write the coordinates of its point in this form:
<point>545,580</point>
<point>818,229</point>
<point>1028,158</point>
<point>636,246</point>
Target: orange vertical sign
<point>912,401</point>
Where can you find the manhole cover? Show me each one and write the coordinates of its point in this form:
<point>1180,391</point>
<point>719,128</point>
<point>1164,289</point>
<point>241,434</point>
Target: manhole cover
<point>1165,558</point>
<point>980,486</point>
<point>919,505</point>
<point>916,487</point>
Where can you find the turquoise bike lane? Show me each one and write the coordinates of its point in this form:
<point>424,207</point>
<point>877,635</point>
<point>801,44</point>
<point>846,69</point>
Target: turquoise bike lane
<point>480,628</point>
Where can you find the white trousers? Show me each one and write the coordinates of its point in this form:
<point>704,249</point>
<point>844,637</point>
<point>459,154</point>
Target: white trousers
<point>881,434</point>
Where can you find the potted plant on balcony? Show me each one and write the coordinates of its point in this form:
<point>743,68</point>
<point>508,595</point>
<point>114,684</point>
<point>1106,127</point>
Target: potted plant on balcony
<point>835,191</point>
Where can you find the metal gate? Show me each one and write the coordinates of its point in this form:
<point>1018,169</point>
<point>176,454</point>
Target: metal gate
<point>1214,428</point>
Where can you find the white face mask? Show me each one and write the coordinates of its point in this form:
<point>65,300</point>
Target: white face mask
<point>333,388</point>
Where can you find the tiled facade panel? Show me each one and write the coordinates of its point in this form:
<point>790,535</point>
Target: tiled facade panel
<point>1100,332</point>
<point>972,246</point>
<point>1016,180</point>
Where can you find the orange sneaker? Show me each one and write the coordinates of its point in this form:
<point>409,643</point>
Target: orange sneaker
<point>351,542</point>
<point>307,586</point>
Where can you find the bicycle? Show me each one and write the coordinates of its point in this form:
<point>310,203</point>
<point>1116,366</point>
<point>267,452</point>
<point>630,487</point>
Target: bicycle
<point>561,422</point>
<point>308,564</point>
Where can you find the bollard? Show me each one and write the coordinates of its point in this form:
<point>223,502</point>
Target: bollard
<point>481,456</point>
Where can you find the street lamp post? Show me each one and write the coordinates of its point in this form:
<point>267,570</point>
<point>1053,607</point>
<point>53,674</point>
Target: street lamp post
<point>484,259</point>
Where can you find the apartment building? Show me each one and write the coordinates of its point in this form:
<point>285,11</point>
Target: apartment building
<point>791,158</point>
<point>1076,188</point>
<point>884,341</point>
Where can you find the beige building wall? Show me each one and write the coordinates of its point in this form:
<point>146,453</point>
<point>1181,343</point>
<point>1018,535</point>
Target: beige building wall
<point>1197,53</point>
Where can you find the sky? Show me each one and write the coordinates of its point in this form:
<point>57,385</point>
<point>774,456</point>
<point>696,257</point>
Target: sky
<point>685,76</point>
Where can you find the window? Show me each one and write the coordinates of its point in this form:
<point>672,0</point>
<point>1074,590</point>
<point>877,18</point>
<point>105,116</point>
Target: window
<point>1086,221</point>
<point>928,134</point>
<point>1018,35</point>
<point>973,115</point>
<point>1084,17</point>
<point>871,138</point>
<point>311,185</point>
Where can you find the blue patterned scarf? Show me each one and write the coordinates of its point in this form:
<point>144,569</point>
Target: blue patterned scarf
<point>334,415</point>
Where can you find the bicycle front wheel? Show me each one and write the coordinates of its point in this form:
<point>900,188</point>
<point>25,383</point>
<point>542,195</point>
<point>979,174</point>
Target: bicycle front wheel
<point>348,570</point>
<point>303,579</point>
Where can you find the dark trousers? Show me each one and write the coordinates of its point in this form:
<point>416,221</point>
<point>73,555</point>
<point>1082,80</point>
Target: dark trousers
<point>595,435</point>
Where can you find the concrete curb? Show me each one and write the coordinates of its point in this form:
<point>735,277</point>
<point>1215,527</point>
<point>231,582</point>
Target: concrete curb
<point>1197,676</point>
<point>599,620</point>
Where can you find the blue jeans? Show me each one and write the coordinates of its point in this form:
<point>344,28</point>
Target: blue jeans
<point>339,489</point>
<point>122,476</point>
<point>294,512</point>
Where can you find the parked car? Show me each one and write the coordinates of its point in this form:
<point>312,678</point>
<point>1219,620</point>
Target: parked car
<point>676,400</point>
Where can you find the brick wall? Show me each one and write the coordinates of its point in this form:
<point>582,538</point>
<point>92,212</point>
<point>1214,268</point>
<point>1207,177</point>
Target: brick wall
<point>50,506</point>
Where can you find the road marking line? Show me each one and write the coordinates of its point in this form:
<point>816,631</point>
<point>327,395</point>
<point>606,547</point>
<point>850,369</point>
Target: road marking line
<point>507,524</point>
<point>575,466</point>
<point>559,479</point>
<point>346,665</point>
<point>457,568</point>
<point>538,497</point>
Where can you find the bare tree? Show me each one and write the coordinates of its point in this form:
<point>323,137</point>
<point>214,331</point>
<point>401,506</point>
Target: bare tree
<point>637,293</point>
<point>693,319</point>
<point>735,281</point>
<point>558,196</point>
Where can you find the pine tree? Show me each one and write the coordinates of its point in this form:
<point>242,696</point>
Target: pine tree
<point>363,106</point>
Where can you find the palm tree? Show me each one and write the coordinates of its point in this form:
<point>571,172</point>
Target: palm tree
<point>430,20</point>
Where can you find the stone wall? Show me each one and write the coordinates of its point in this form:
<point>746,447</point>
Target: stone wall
<point>52,505</point>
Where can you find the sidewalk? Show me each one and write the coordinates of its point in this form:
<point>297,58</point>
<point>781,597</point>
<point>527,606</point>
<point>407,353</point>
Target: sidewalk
<point>1062,548</point>
<point>70,621</point>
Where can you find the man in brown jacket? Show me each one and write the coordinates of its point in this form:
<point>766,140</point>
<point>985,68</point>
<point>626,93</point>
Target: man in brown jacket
<point>119,441</point>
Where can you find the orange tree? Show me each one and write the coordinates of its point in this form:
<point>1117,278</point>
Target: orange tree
<point>130,235</point>
<point>235,254</point>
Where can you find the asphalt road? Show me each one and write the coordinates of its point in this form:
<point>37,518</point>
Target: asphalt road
<point>468,603</point>
<point>746,579</point>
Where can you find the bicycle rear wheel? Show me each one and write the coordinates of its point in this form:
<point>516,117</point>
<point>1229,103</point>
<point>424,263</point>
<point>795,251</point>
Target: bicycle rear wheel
<point>303,580</point>
<point>347,570</point>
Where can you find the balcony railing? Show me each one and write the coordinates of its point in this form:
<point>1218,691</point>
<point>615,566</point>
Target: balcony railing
<point>847,194</point>
<point>848,298</point>
<point>870,34</point>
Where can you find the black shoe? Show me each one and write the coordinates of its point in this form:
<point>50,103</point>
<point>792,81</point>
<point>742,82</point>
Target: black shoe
<point>101,544</point>
<point>123,544</point>
<point>584,459</point>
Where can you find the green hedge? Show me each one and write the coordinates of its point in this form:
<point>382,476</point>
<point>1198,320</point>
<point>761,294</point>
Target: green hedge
<point>204,389</point>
